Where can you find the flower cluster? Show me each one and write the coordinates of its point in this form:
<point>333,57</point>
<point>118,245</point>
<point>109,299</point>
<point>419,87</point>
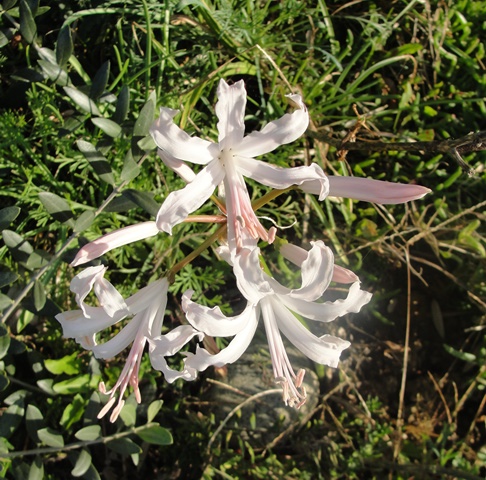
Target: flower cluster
<point>226,164</point>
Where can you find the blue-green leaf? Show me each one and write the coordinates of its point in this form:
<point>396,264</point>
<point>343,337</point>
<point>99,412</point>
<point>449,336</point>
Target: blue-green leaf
<point>84,221</point>
<point>39,295</point>
<point>87,434</point>
<point>64,46</point>
<point>122,105</point>
<point>130,168</point>
<point>125,446</point>
<point>100,81</point>
<point>83,462</point>
<point>82,101</point>
<point>28,28</point>
<point>156,435</point>
<point>108,126</point>
<point>7,278</point>
<point>21,249</point>
<point>7,216</point>
<point>97,160</point>
<point>57,207</point>
<point>50,437</point>
<point>146,118</point>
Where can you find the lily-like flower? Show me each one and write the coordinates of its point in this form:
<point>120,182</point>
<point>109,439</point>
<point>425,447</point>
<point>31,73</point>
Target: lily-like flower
<point>276,305</point>
<point>368,190</point>
<point>230,160</point>
<point>147,309</point>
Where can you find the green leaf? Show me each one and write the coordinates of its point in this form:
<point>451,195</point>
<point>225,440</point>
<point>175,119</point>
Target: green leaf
<point>153,409</point>
<point>34,421</point>
<point>56,206</point>
<point>73,412</point>
<point>144,200</point>
<point>111,128</point>
<point>125,446</point>
<point>72,385</point>
<point>83,462</point>
<point>155,435</point>
<point>36,471</point>
<point>8,4</point>
<point>4,382</point>
<point>7,278</point>
<point>55,73</point>
<point>38,259</point>
<point>146,118</point>
<point>11,419</point>
<point>7,216</point>
<point>4,340</point>
<point>100,81</point>
<point>50,437</point>
<point>97,161</point>
<point>465,356</point>
<point>24,319</point>
<point>21,249</point>
<point>5,301</point>
<point>130,168</point>
<point>84,221</point>
<point>28,28</point>
<point>39,295</point>
<point>122,105</point>
<point>64,46</point>
<point>70,365</point>
<point>82,101</point>
<point>128,414</point>
<point>87,434</point>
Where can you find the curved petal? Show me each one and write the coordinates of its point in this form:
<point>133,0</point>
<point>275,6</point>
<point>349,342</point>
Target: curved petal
<point>179,204</point>
<point>376,191</point>
<point>317,270</point>
<point>325,350</point>
<point>83,283</point>
<point>177,166</point>
<point>211,321</point>
<point>230,111</point>
<point>153,292</point>
<point>202,359</point>
<point>279,132</point>
<point>109,297</point>
<point>118,238</point>
<point>74,324</point>
<point>251,281</point>
<point>278,177</point>
<point>170,138</point>
<point>328,311</point>
<point>168,345</point>
<point>343,275</point>
<point>121,340</point>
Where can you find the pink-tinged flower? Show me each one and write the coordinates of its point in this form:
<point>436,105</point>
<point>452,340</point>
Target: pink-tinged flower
<point>368,190</point>
<point>147,309</point>
<point>230,160</point>
<point>276,305</point>
<point>118,238</point>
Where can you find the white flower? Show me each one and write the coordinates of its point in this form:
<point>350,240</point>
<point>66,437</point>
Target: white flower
<point>230,160</point>
<point>147,307</point>
<point>276,304</point>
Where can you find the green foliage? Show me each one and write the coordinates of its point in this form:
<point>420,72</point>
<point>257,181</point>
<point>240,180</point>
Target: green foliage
<point>80,87</point>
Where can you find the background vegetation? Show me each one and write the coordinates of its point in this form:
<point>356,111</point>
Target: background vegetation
<point>80,83</point>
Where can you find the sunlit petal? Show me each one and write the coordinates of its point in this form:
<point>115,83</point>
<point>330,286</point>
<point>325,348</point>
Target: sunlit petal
<point>180,203</point>
<point>281,178</point>
<point>118,238</point>
<point>279,132</point>
<point>230,111</point>
<point>178,166</point>
<point>175,141</point>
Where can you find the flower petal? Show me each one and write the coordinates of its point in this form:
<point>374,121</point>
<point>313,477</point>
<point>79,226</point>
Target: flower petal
<point>170,138</point>
<point>328,311</point>
<point>211,321</point>
<point>177,166</point>
<point>115,239</point>
<point>179,204</point>
<point>279,132</point>
<point>74,324</point>
<point>168,345</point>
<point>202,359</point>
<point>325,350</point>
<point>278,177</point>
<point>230,110</point>
<point>376,191</point>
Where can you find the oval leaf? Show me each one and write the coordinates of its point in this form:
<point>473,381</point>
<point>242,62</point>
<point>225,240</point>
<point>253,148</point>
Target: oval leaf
<point>55,73</point>
<point>7,278</point>
<point>4,340</point>
<point>7,216</point>
<point>50,437</point>
<point>57,207</point>
<point>82,101</point>
<point>125,446</point>
<point>39,296</point>
<point>36,471</point>
<point>155,435</point>
<point>144,200</point>
<point>64,46</point>
<point>87,434</point>
<point>146,118</point>
<point>97,161</point>
<point>153,409</point>
<point>100,81</point>
<point>84,221</point>
<point>130,168</point>
<point>108,126</point>
<point>122,105</point>
<point>28,28</point>
<point>21,249</point>
<point>82,464</point>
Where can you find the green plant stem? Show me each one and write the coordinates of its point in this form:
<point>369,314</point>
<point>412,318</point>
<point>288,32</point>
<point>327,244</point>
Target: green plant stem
<point>6,315</point>
<point>195,253</point>
<point>76,445</point>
